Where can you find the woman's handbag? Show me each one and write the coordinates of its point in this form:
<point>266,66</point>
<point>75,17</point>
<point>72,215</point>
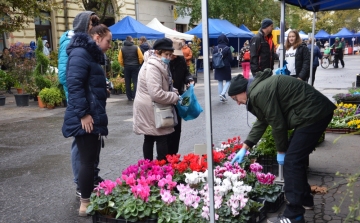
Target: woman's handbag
<point>165,116</point>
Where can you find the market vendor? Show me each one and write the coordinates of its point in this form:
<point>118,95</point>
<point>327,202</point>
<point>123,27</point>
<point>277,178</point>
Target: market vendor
<point>285,103</point>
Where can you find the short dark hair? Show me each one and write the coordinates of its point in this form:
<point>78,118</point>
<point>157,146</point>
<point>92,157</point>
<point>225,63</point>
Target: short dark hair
<point>128,38</point>
<point>143,39</point>
<point>159,52</point>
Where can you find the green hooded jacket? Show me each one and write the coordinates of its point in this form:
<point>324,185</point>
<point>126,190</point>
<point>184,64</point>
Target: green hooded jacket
<point>284,103</point>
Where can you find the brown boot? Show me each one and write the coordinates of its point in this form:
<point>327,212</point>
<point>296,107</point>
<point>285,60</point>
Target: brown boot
<point>83,206</point>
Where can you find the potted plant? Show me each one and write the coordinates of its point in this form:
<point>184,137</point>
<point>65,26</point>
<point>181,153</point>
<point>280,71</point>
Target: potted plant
<point>195,49</point>
<point>51,96</point>
<point>22,69</point>
<point>119,84</point>
<point>5,81</point>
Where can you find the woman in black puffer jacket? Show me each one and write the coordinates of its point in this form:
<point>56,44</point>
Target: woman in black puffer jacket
<point>85,116</point>
<point>297,56</point>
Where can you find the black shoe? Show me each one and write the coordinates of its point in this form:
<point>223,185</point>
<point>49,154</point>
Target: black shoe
<point>78,193</point>
<point>283,219</point>
<point>97,181</point>
<point>336,67</point>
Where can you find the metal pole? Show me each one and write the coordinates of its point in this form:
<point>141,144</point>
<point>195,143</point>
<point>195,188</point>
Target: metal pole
<point>312,49</point>
<point>282,34</point>
<point>205,31</point>
<point>238,56</point>
<point>137,10</point>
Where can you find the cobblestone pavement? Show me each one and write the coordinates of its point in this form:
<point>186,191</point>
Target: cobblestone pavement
<point>35,173</point>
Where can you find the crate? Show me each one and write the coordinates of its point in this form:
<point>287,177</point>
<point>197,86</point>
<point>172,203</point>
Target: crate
<point>273,207</point>
<point>257,217</point>
<point>340,130</point>
<point>269,164</point>
<point>103,219</point>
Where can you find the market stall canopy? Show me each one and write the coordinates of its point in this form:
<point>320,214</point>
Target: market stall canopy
<point>169,33</point>
<point>302,32</point>
<point>322,34</point>
<point>218,27</point>
<point>130,27</point>
<point>343,33</point>
<point>243,27</point>
<point>325,5</point>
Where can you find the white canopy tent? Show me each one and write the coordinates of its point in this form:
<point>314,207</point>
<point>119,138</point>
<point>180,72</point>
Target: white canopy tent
<point>302,36</point>
<point>169,33</point>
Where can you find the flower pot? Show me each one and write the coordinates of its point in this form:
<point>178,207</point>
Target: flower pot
<point>19,90</point>
<point>50,106</point>
<point>274,207</point>
<point>259,216</point>
<point>40,102</point>
<point>100,219</point>
<point>22,99</point>
<point>2,100</point>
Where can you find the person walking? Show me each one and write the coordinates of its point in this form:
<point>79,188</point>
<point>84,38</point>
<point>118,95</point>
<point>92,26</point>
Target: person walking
<point>155,85</point>
<point>82,23</point>
<point>316,56</point>
<point>85,116</point>
<point>337,47</point>
<point>187,53</point>
<point>262,48</point>
<point>130,57</point>
<point>46,50</point>
<point>181,77</point>
<point>285,103</point>
<point>297,56</point>
<point>224,73</point>
<point>245,59</point>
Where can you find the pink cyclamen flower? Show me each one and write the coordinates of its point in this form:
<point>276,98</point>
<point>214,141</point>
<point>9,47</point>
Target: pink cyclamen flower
<point>107,186</point>
<point>255,167</point>
<point>267,179</point>
<point>166,196</point>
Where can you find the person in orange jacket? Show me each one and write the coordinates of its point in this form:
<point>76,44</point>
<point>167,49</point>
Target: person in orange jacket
<point>187,53</point>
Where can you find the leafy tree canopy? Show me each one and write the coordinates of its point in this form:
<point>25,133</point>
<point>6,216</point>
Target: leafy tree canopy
<point>17,14</point>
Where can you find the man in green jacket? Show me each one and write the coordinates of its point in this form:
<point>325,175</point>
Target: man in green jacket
<point>285,103</point>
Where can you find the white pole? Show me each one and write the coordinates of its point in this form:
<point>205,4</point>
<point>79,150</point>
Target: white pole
<point>312,49</point>
<point>238,56</point>
<point>282,34</point>
<point>205,31</point>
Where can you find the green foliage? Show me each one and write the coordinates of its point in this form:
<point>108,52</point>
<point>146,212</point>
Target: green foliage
<point>15,21</point>
<point>266,145</point>
<point>268,192</point>
<point>42,82</point>
<point>5,80</point>
<point>51,96</point>
<point>119,83</point>
<point>54,58</point>
<point>116,68</point>
<point>42,61</point>
<point>178,212</point>
<point>351,181</point>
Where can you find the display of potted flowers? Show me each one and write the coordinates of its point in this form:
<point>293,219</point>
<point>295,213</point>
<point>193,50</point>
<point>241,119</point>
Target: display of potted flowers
<point>51,97</point>
<point>177,190</point>
<point>345,118</point>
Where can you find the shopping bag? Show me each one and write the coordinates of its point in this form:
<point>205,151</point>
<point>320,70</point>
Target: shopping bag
<point>283,70</point>
<point>188,106</point>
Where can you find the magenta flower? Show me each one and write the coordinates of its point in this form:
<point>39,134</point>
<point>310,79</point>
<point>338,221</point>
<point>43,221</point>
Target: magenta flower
<point>267,179</point>
<point>255,167</point>
<point>141,191</point>
<point>107,186</point>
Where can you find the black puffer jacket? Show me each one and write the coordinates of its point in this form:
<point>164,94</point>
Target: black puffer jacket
<point>262,55</point>
<point>302,62</point>
<point>180,73</point>
<point>87,87</point>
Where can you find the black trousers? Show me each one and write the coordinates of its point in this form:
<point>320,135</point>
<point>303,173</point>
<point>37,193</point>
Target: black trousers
<point>89,147</point>
<point>161,147</point>
<point>339,56</point>
<point>174,138</point>
<point>131,76</point>
<point>313,75</point>
<point>297,189</point>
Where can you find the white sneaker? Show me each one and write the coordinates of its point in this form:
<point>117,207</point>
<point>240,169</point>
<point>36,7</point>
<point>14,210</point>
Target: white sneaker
<point>222,97</point>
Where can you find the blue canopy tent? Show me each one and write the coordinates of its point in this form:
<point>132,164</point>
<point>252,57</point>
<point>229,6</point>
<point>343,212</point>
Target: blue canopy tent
<point>344,33</point>
<point>322,34</point>
<point>243,27</point>
<point>218,27</point>
<point>130,27</point>
<point>302,32</point>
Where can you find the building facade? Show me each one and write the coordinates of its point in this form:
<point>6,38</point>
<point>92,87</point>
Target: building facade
<point>61,20</point>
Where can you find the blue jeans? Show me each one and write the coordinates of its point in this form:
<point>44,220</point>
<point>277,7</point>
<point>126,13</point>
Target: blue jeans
<point>75,162</point>
<point>222,90</point>
<point>131,76</point>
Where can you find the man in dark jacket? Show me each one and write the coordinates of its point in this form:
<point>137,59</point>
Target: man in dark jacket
<point>181,77</point>
<point>262,48</point>
<point>285,103</point>
<point>130,57</point>
<point>337,47</point>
